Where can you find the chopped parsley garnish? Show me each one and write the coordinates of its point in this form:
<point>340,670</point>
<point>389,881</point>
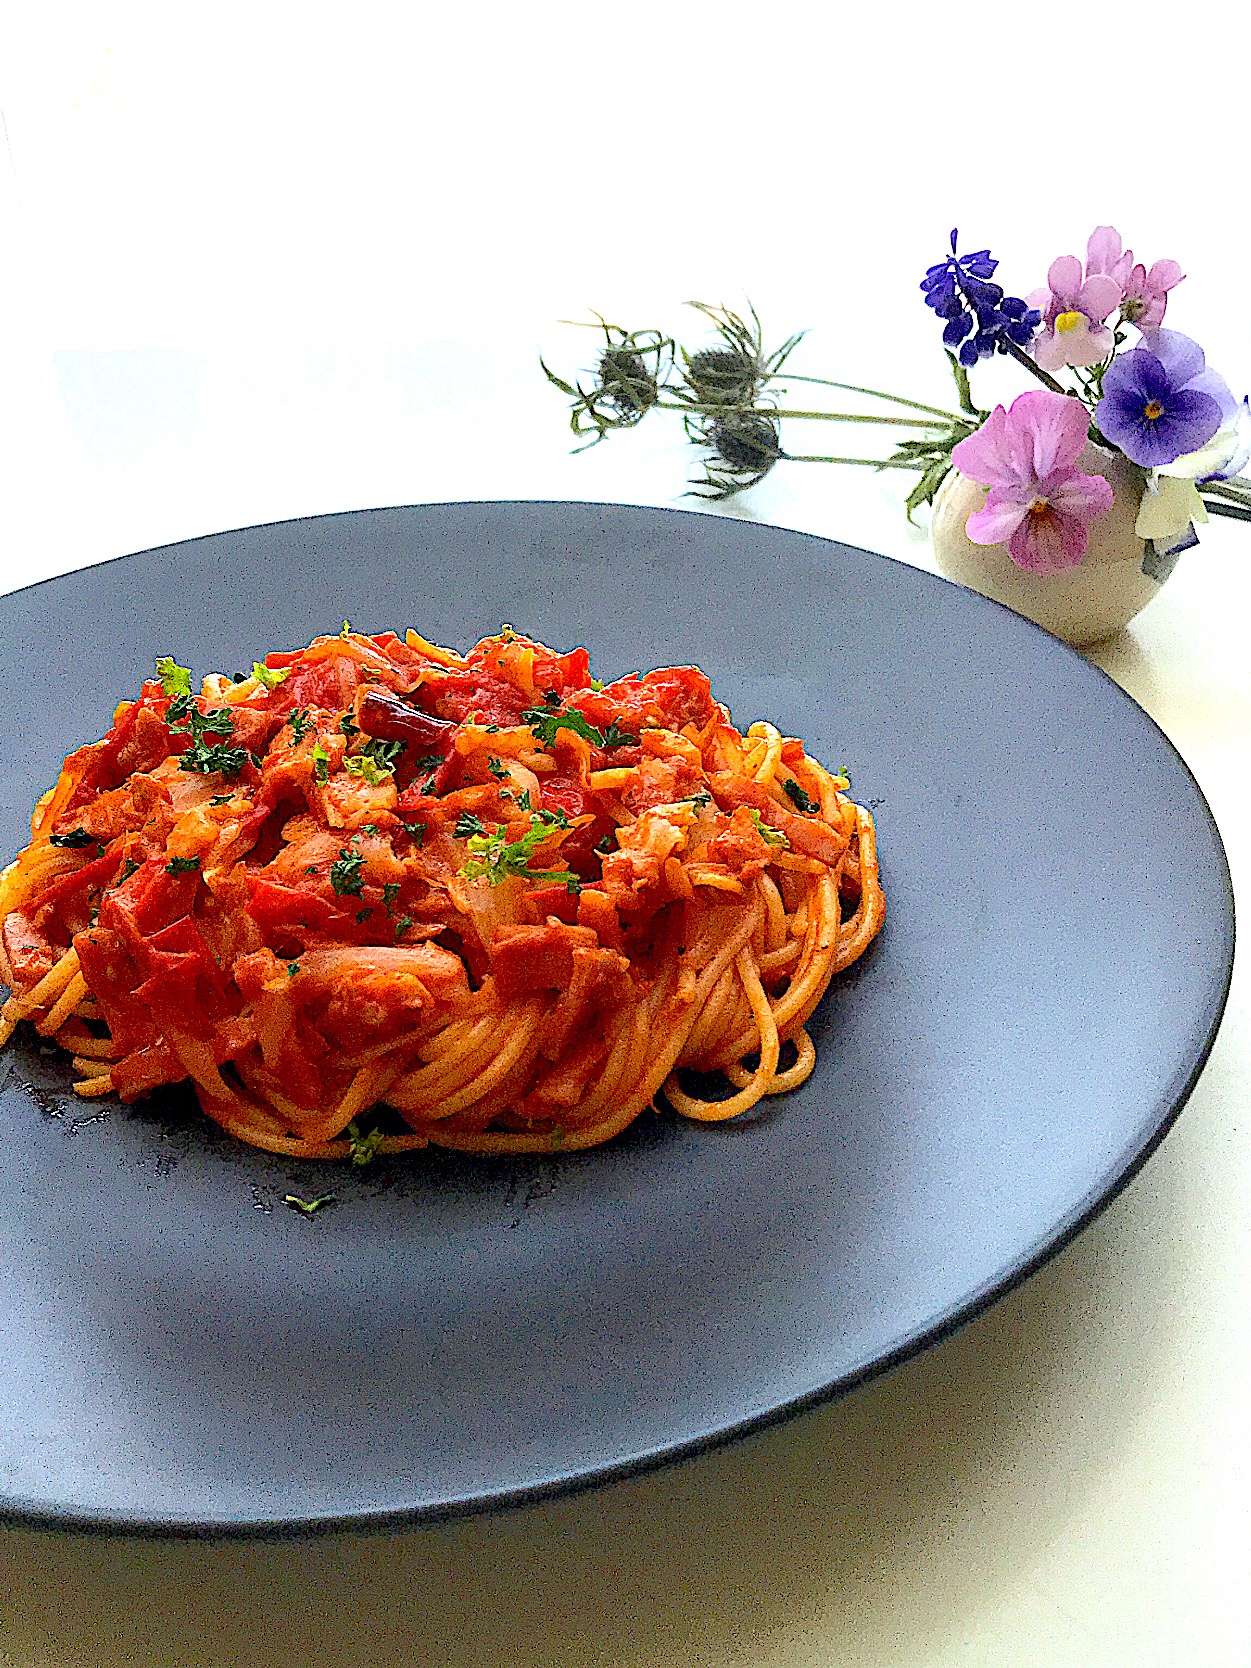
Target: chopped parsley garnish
<point>345,874</point>
<point>293,967</point>
<point>369,828</point>
<point>311,870</point>
<point>556,817</point>
<point>75,838</point>
<point>207,760</point>
<point>495,857</point>
<point>699,800</point>
<point>402,925</point>
<point>257,759</point>
<point>300,724</point>
<point>390,892</point>
<point>367,768</point>
<point>185,718</point>
<point>551,698</point>
<point>221,799</point>
<point>544,722</point>
<point>771,836</point>
<point>362,915</point>
<point>308,1207</point>
<point>597,684</point>
<point>130,868</point>
<point>615,736</point>
<point>270,676</point>
<point>497,769</point>
<point>605,845</point>
<point>363,1149</point>
<point>348,726</point>
<point>428,761</point>
<point>844,773</point>
<point>523,799</point>
<point>189,720</point>
<point>181,865</point>
<point>175,679</point>
<point>799,798</point>
<point>383,753</point>
<point>416,830</point>
<point>467,825</point>
<point>178,710</point>
<point>321,763</point>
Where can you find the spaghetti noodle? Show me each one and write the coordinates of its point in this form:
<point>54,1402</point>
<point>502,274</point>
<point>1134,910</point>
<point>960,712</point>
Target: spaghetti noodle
<point>379,895</point>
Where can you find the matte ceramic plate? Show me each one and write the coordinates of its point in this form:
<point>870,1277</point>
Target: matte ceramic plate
<point>183,1353</point>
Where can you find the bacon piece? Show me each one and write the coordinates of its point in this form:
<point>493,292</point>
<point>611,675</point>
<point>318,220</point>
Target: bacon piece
<point>597,911</point>
<point>30,955</point>
<point>526,960</point>
<point>804,835</point>
<point>529,959</point>
<point>741,847</point>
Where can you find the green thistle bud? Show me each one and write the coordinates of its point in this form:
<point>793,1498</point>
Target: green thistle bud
<point>626,384</point>
<point>746,444</point>
<point>723,376</point>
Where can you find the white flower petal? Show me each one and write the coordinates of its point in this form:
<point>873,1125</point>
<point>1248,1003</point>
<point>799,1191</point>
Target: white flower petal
<point>1194,466</point>
<point>1168,507</point>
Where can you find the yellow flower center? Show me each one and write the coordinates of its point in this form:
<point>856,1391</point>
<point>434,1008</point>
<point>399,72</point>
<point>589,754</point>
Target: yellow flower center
<point>1069,321</point>
<point>1153,409</point>
<point>1040,506</point>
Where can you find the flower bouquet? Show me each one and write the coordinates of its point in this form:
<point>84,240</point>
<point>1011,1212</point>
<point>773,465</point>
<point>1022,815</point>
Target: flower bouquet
<point>1137,416</point>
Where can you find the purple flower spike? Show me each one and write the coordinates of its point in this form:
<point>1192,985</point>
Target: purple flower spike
<point>980,319</point>
<point>1161,402</point>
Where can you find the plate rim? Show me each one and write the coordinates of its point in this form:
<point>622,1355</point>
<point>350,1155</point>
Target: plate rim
<point>14,1513</point>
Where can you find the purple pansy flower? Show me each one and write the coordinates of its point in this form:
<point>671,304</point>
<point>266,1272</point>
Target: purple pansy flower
<point>1038,502</point>
<point>1160,401</point>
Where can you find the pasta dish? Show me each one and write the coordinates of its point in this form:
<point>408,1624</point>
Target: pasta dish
<point>377,894</point>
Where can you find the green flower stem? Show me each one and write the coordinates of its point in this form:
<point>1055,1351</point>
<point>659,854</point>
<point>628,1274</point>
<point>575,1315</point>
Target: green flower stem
<point>1046,378</point>
<point>807,416</point>
<point>873,393</point>
<point>1035,369</point>
<point>1238,492</point>
<point>869,463</point>
<point>1241,511</point>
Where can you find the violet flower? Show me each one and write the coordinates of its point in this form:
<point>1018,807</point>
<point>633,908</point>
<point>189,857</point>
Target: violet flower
<point>1073,310</point>
<point>1160,401</point>
<point>979,318</point>
<point>1038,500</point>
<point>1171,503</point>
<point>1144,294</point>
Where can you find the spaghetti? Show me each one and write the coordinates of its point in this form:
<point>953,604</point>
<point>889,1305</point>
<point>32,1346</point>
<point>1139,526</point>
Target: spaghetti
<point>379,895</point>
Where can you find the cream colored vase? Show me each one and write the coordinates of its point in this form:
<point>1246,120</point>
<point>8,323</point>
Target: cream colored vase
<point>1094,599</point>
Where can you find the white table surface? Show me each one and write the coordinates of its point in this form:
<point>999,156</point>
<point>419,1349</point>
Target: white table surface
<point>269,260</point>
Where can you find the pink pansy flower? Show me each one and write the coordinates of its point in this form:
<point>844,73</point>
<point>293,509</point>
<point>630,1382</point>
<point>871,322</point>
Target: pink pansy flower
<point>1073,310</point>
<point>1144,295</point>
<point>1038,501</point>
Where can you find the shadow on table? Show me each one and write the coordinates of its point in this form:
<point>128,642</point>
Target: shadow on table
<point>878,1521</point>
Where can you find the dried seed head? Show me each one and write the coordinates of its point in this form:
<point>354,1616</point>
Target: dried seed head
<point>722,376</point>
<point>626,383</point>
<point>749,445</point>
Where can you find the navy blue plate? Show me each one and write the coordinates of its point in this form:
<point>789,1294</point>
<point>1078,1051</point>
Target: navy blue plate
<point>185,1354</point>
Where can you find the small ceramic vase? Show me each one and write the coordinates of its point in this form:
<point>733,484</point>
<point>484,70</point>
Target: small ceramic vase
<point>1089,602</point>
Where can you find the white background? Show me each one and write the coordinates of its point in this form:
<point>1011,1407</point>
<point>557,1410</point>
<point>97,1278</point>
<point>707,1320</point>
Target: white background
<point>266,260</point>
